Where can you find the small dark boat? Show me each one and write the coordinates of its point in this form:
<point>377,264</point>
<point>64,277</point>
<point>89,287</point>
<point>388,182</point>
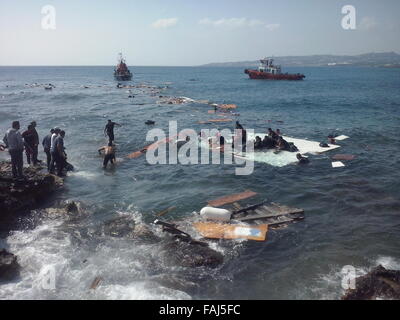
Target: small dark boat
<point>121,72</point>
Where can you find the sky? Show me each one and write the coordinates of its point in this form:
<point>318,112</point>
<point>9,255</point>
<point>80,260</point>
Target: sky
<point>190,32</point>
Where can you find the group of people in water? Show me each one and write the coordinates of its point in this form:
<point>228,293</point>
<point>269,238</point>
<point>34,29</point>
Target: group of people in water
<point>272,140</point>
<point>53,147</point>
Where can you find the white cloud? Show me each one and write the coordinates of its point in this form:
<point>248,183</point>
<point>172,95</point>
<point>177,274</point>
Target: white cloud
<point>164,23</point>
<point>367,23</point>
<point>272,26</point>
<point>238,22</point>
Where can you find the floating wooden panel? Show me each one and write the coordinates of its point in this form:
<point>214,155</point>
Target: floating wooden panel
<point>231,198</point>
<point>343,157</point>
<point>231,231</point>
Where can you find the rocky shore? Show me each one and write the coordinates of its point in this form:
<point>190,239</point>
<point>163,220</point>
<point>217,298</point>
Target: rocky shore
<point>379,283</point>
<point>25,194</point>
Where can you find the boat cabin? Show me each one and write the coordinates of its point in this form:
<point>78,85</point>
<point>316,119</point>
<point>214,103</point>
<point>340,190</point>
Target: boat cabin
<point>267,66</point>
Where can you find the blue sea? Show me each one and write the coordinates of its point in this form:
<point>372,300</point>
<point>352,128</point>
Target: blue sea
<point>352,213</point>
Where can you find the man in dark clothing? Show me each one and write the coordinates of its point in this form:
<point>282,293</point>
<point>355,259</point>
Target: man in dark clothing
<point>14,142</point>
<point>59,155</point>
<point>268,143</point>
<point>46,147</point>
<point>258,143</point>
<point>272,134</point>
<point>239,126</point>
<point>35,149</point>
<point>29,139</point>
<point>109,130</point>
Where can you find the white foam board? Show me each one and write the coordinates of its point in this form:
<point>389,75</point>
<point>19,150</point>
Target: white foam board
<point>337,164</point>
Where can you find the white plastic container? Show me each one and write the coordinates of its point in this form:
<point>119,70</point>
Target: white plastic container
<point>216,214</point>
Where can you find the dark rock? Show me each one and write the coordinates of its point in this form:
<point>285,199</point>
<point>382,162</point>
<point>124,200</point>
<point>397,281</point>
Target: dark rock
<point>18,195</point>
<point>188,254</point>
<point>378,283</point>
<point>125,227</point>
<point>9,267</point>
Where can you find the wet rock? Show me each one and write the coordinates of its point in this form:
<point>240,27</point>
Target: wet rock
<point>378,283</point>
<point>71,207</point>
<point>187,254</point>
<point>18,195</point>
<point>9,267</point>
<point>125,227</point>
<point>176,283</point>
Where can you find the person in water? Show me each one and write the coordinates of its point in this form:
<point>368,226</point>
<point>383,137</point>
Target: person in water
<point>278,132</point>
<point>302,160</point>
<point>282,144</point>
<point>268,142</point>
<point>15,144</point>
<point>239,126</point>
<point>109,130</point>
<point>272,134</point>
<point>258,143</point>
<point>109,154</point>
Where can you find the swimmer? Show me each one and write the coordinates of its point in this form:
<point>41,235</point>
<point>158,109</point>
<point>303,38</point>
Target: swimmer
<point>302,160</point>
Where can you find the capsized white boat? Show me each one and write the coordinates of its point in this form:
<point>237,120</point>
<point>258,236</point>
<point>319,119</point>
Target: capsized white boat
<point>281,158</point>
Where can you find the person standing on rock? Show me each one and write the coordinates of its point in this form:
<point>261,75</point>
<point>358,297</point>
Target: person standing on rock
<point>53,149</point>
<point>46,147</point>
<point>59,154</point>
<point>109,130</point>
<point>15,145</point>
<point>35,148</point>
<point>28,136</point>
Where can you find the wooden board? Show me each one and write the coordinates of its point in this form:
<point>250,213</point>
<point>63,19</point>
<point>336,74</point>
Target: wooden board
<point>269,211</point>
<point>227,106</point>
<point>343,157</point>
<point>214,120</point>
<point>152,146</point>
<point>231,231</point>
<point>231,198</point>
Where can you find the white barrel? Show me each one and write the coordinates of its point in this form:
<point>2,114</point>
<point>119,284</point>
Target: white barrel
<point>217,214</point>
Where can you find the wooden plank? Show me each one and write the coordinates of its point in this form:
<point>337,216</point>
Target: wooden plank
<point>343,157</point>
<point>231,198</point>
<point>214,120</point>
<point>96,283</point>
<point>152,146</point>
<point>268,215</point>
<point>161,213</point>
<point>231,231</point>
<point>285,221</point>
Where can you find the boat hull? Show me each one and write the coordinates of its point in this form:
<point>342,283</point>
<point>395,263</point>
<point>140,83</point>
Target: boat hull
<point>255,74</point>
<point>123,77</point>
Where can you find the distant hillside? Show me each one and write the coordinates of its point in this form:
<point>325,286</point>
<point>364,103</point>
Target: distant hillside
<point>384,59</point>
